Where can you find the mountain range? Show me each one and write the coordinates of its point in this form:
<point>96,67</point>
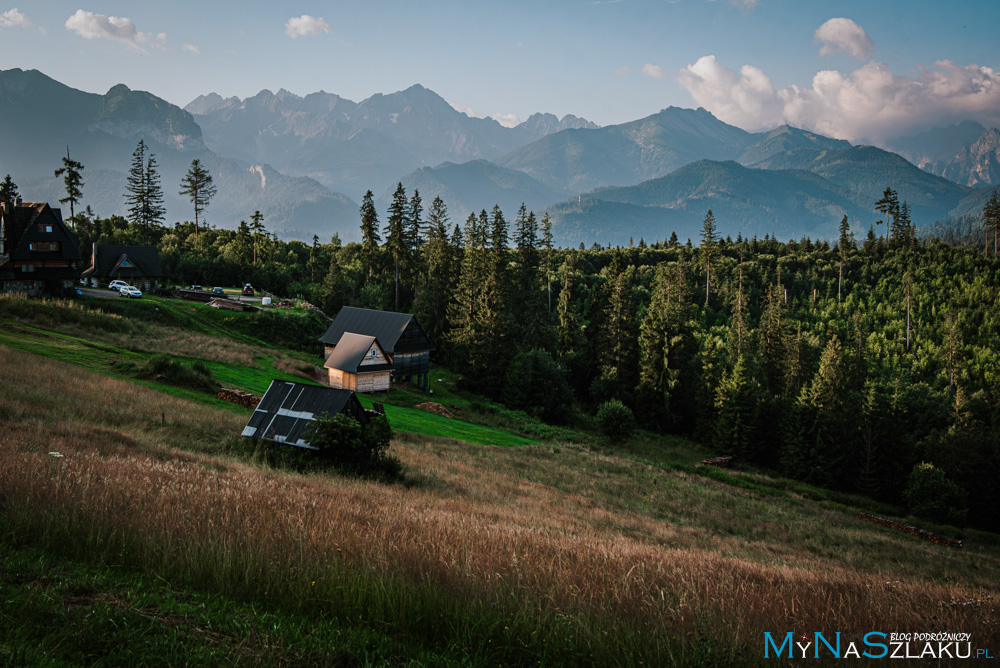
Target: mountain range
<point>304,162</point>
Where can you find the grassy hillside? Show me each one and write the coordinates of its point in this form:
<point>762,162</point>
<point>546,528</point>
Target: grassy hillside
<point>129,540</point>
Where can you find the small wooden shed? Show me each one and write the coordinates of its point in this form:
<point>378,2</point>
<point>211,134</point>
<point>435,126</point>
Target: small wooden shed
<point>359,363</point>
<point>287,410</point>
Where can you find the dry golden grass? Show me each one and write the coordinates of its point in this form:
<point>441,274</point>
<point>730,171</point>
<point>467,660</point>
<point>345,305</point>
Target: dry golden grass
<point>482,535</point>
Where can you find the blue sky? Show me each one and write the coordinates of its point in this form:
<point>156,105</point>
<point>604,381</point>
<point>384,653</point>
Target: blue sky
<point>880,68</point>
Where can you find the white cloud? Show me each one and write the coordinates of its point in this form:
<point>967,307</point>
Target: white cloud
<point>745,5</point>
<point>846,35</point>
<point>746,99</point>
<point>191,48</point>
<point>622,71</point>
<point>120,29</point>
<point>870,104</point>
<point>304,25</point>
<point>506,120</point>
<point>468,111</point>
<point>654,71</point>
<point>12,17</point>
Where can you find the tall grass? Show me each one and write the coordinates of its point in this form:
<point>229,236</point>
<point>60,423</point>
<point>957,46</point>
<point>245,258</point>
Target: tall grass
<point>508,555</point>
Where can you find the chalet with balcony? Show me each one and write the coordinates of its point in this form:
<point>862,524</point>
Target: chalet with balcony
<point>376,338</point>
<point>38,252</point>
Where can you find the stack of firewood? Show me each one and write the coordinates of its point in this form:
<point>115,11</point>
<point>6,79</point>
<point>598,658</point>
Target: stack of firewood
<point>723,461</point>
<point>914,531</point>
<point>239,397</point>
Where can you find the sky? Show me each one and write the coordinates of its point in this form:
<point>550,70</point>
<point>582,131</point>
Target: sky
<point>864,71</point>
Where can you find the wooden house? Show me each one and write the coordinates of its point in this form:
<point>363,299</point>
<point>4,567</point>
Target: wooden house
<point>399,336</point>
<point>359,363</point>
<point>37,250</point>
<point>136,265</point>
<point>287,410</point>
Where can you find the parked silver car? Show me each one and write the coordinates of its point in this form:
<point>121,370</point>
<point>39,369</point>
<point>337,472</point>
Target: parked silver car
<point>130,292</point>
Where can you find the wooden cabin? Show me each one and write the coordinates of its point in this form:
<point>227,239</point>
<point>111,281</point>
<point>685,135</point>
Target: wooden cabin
<point>359,363</point>
<point>287,410</point>
<point>38,251</point>
<point>400,339</point>
<point>136,265</point>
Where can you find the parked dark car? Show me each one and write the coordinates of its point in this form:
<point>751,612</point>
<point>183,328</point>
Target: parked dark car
<point>248,290</point>
<point>218,291</point>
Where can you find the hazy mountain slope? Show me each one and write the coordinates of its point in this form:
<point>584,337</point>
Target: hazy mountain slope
<point>578,160</point>
<point>745,201</point>
<point>786,203</point>
<point>42,117</point>
<point>966,153</point>
<point>476,185</point>
<point>976,165</point>
<point>786,147</point>
<point>866,171</point>
<point>936,144</point>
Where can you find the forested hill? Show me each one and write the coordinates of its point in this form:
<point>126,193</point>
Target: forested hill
<point>843,365</point>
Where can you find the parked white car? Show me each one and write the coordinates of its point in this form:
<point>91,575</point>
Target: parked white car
<point>116,285</point>
<point>129,291</point>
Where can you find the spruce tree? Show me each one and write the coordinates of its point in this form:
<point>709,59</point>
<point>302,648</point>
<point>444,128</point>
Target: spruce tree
<point>396,235</point>
<point>534,329</point>
<point>197,185</point>
<point>888,206</point>
<point>370,239</point>
<point>548,257</point>
<point>568,332</point>
<point>334,294</point>
<point>258,233</point>
<point>663,343</point>
<point>8,191</point>
<point>314,259</point>
<point>738,413</point>
<point>709,248</point>
<point>415,221</point>
<point>73,181</point>
<point>464,331</point>
<point>991,221</point>
<point>144,196</point>
<point>437,280</point>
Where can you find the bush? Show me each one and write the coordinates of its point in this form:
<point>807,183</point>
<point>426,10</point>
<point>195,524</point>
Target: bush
<point>929,493</point>
<point>166,370</point>
<point>537,385</point>
<point>615,420</point>
<point>350,448</point>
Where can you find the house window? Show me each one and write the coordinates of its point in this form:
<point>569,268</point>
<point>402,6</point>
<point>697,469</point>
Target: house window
<point>373,352</point>
<point>45,227</point>
<point>44,246</point>
<point>28,267</point>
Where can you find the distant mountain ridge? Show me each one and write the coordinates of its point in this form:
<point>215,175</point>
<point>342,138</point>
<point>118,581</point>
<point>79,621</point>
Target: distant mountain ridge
<point>280,153</point>
<point>356,146</point>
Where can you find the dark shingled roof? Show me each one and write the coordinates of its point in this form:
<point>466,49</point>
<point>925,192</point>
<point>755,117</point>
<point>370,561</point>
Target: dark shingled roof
<point>125,262</point>
<point>20,227</point>
<point>287,410</point>
<point>387,326</point>
<point>351,351</point>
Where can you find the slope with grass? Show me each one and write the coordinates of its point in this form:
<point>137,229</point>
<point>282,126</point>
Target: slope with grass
<point>181,543</point>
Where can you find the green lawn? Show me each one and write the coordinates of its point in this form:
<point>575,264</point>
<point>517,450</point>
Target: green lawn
<point>116,361</point>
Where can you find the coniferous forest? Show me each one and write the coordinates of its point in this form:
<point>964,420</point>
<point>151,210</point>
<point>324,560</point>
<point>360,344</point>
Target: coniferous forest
<point>867,364</point>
